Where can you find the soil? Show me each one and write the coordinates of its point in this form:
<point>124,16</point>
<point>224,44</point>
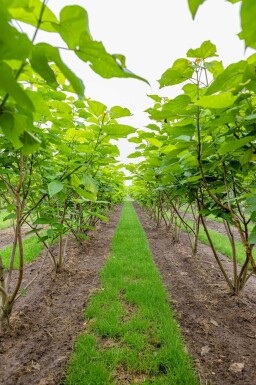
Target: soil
<point>219,329</point>
<point>46,322</point>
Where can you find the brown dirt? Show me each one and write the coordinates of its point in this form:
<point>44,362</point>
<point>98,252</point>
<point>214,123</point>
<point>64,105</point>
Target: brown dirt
<point>47,321</point>
<point>219,329</point>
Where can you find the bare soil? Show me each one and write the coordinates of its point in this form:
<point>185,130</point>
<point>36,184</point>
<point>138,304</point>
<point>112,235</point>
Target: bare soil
<point>46,322</point>
<point>219,329</point>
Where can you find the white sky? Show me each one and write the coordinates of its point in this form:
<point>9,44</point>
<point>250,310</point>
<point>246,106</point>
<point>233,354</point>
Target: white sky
<point>152,35</point>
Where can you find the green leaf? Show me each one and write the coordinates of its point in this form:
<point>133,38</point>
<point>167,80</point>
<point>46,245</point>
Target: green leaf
<point>51,54</point>
<point>194,5</point>
<point>215,67</point>
<point>79,103</point>
<point>6,124</point>
<point>155,142</point>
<point>10,216</point>
<point>43,221</point>
<point>248,12</point>
<point>191,90</point>
<point>250,117</point>
<point>135,140</point>
<point>235,145</point>
<point>82,236</point>
<point>41,107</point>
<point>153,127</point>
<point>28,11</point>
<point>252,236</point>
<point>89,184</point>
<point>101,62</point>
<point>195,178</point>
<point>118,130</point>
<point>207,49</point>
<point>11,87</point>
<point>247,156</point>
<point>73,22</point>
<point>156,98</point>
<point>54,187</point>
<point>98,215</point>
<point>29,143</point>
<point>135,154</point>
<point>169,148</point>
<point>83,113</point>
<point>60,107</point>
<point>119,112</point>
<point>96,108</point>
<point>181,70</point>
<point>177,105</point>
<point>74,180</point>
<point>173,108</point>
<point>3,11</point>
<point>221,100</point>
<point>14,45</point>
<point>85,194</point>
<point>13,128</point>
<point>229,79</point>
<point>39,62</point>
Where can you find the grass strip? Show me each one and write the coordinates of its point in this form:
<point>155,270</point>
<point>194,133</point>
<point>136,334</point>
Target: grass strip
<point>130,334</point>
<point>221,243</point>
<point>4,224</point>
<point>213,218</point>
<point>32,248</point>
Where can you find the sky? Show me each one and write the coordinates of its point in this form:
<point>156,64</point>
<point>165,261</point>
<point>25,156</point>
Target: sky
<point>152,35</point>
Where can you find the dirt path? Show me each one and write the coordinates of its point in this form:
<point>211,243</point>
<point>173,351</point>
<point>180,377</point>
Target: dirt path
<point>220,330</point>
<point>46,322</point>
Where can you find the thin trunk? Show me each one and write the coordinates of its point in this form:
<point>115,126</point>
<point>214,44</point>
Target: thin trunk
<point>60,258</point>
<point>243,276</point>
<point>234,254</point>
<point>216,256</point>
<point>65,248</point>
<point>196,235</point>
<point>4,316</point>
<point>14,247</point>
<point>19,238</point>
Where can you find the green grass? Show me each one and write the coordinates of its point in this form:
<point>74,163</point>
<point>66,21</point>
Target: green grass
<point>130,331</point>
<point>32,249</point>
<point>213,218</point>
<point>4,224</point>
<point>221,243</point>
